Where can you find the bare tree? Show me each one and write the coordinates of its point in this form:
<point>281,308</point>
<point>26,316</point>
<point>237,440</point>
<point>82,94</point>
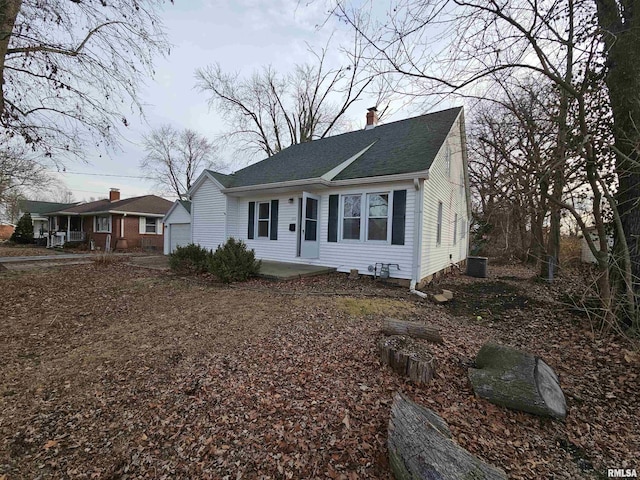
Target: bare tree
<point>20,170</point>
<point>67,68</point>
<point>175,158</point>
<point>492,40</point>
<point>268,111</point>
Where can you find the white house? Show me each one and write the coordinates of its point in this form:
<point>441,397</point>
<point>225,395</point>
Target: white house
<point>392,196</point>
<point>38,211</point>
<point>177,226</point>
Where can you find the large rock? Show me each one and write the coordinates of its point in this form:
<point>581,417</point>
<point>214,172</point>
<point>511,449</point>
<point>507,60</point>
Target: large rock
<point>518,380</point>
<point>421,447</point>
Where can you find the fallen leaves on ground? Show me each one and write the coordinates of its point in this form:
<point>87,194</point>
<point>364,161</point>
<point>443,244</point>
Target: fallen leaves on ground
<point>111,371</point>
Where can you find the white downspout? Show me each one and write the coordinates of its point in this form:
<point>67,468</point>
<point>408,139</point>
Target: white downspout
<point>417,228</point>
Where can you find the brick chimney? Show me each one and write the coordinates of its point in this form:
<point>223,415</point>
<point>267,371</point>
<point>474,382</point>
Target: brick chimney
<point>114,195</point>
<point>372,118</point>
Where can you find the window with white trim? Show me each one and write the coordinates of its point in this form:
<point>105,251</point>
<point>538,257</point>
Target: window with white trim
<point>102,224</point>
<point>455,228</point>
<point>351,216</point>
<point>439,225</point>
<point>264,219</point>
<point>150,225</point>
<point>377,216</point>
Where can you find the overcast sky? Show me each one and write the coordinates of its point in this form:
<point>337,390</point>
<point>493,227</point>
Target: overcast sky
<point>241,35</point>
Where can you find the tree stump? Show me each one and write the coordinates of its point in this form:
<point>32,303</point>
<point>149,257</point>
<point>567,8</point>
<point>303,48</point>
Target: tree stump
<point>517,380</point>
<point>407,357</point>
<point>421,447</point>
<point>392,326</point>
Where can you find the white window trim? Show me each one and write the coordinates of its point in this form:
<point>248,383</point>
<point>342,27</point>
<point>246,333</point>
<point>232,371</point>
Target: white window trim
<point>95,224</point>
<point>258,220</point>
<point>364,217</point>
<point>341,218</point>
<point>389,215</point>
<point>155,224</point>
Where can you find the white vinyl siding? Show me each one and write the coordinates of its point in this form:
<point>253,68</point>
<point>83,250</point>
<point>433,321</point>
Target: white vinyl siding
<point>208,212</point>
<point>444,186</point>
<point>179,216</point>
<point>342,255</point>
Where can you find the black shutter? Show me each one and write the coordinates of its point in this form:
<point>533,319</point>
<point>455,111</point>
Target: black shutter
<point>273,234</point>
<point>399,214</point>
<point>333,218</point>
<point>252,220</point>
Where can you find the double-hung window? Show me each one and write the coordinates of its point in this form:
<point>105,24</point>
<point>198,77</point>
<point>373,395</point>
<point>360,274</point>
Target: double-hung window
<point>264,219</point>
<point>103,224</point>
<point>351,216</point>
<point>377,216</point>
<point>150,225</point>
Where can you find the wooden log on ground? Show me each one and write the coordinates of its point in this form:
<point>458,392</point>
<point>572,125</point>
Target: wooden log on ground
<point>407,357</point>
<point>392,326</point>
<point>421,447</point>
<point>518,380</point>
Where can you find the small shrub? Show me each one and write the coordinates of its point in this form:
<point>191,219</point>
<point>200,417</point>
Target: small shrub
<point>232,262</point>
<point>24,230</point>
<point>190,259</point>
<point>105,258</point>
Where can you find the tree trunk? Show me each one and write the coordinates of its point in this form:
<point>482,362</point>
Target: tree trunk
<point>420,447</point>
<point>9,10</point>
<point>517,380</point>
<point>391,326</point>
<point>407,357</point>
<point>620,24</point>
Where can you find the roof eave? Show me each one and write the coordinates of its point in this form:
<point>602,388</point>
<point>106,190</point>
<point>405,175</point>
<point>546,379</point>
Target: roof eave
<point>320,182</point>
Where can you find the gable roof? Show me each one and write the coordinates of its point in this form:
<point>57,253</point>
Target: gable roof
<point>186,204</point>
<point>37,207</point>
<point>399,147</point>
<point>146,204</point>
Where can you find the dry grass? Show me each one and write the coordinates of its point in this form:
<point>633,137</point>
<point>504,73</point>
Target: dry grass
<point>110,371</point>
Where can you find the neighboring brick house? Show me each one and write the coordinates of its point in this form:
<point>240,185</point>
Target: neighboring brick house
<point>112,223</point>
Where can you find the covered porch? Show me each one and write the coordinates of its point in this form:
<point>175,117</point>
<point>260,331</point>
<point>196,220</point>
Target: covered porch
<point>63,229</point>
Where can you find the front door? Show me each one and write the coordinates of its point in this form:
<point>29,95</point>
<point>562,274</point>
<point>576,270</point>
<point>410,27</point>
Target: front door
<point>310,226</point>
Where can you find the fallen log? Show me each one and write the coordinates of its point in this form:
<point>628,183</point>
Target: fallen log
<point>407,357</point>
<point>392,326</point>
<point>518,380</point>
<point>421,447</point>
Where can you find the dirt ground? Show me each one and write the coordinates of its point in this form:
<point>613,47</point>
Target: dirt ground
<point>14,250</point>
<point>112,371</point>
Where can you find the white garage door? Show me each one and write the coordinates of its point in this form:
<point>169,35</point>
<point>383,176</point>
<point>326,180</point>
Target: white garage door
<point>180,235</point>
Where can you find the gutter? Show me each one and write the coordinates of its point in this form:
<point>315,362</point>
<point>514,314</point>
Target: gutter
<point>319,181</point>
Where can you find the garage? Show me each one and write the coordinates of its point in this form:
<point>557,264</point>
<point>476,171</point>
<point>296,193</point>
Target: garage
<point>177,224</point>
<point>179,235</point>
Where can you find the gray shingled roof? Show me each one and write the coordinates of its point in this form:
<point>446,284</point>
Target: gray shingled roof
<point>186,204</point>
<point>135,205</point>
<point>399,147</point>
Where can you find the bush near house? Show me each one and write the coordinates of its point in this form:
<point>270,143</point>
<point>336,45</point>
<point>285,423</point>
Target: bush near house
<point>190,259</point>
<point>24,230</point>
<point>233,262</point>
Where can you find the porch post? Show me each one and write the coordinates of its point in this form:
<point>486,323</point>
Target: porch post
<point>68,228</point>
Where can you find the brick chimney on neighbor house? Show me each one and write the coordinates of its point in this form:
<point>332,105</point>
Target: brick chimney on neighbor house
<point>372,117</point>
<point>114,195</point>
